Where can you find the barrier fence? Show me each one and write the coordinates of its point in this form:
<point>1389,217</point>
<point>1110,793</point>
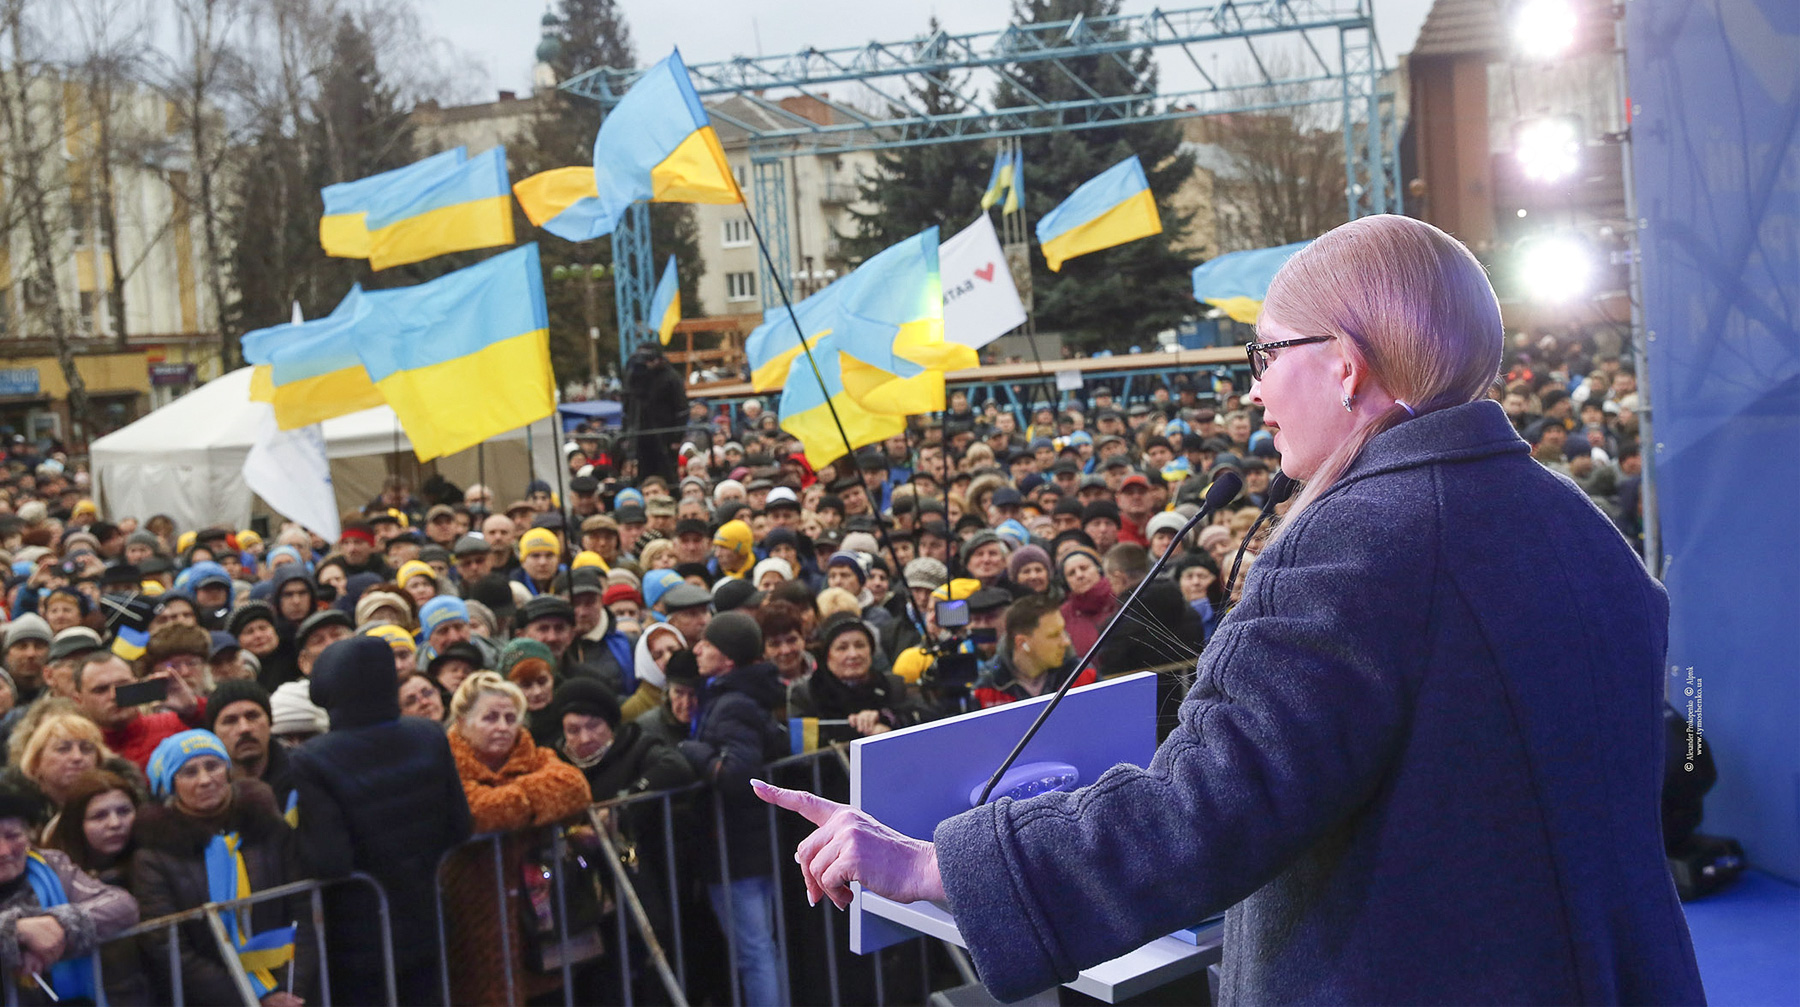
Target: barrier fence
<point>651,868</point>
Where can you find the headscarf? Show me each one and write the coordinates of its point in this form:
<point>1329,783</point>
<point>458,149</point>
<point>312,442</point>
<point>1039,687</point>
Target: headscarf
<point>176,751</point>
<point>647,671</point>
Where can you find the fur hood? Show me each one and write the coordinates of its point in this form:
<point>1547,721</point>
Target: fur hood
<point>254,816</point>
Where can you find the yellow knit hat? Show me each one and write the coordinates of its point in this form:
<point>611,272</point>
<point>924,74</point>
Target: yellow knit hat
<point>538,540</point>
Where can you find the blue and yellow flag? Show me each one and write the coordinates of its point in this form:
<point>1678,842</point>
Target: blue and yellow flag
<point>772,347</point>
<point>665,307</point>
<point>227,879</point>
<point>657,144</point>
<point>464,357</point>
<point>1007,181</point>
<point>313,367</point>
<point>1237,282</point>
<point>470,207</point>
<point>889,327</point>
<point>1109,209</point>
<point>806,406</point>
<point>343,230</point>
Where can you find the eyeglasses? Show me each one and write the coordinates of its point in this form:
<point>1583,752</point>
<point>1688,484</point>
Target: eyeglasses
<point>1258,352</point>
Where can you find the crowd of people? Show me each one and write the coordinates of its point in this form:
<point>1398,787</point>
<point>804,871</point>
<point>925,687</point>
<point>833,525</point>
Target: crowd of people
<point>195,715</point>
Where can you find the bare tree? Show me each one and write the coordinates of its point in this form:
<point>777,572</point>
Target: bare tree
<point>29,145</point>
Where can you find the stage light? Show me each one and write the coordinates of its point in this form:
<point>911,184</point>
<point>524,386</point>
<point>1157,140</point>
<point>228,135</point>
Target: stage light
<point>1544,29</point>
<point>1554,269</point>
<point>1548,149</point>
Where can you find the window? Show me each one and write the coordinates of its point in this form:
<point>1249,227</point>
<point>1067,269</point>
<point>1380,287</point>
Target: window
<point>740,286</point>
<point>93,315</point>
<point>5,310</point>
<point>737,233</point>
<point>737,170</point>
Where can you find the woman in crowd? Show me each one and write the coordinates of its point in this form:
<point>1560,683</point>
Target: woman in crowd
<point>1202,587</point>
<point>872,701</point>
<point>213,840</point>
<point>95,832</point>
<point>1090,604</point>
<point>52,914</point>
<point>61,749</point>
<point>531,666</point>
<point>511,784</point>
<point>419,698</point>
<point>650,658</point>
<point>1029,570</point>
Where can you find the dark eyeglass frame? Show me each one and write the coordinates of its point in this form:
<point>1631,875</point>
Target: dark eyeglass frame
<point>1259,364</point>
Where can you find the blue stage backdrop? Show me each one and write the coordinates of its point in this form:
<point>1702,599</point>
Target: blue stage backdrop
<point>1716,92</point>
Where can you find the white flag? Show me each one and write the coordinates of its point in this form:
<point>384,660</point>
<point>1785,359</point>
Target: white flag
<point>980,302</point>
<point>289,470</point>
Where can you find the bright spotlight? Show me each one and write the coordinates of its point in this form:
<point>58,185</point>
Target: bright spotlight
<point>1555,269</point>
<point>1548,149</point>
<point>1544,29</point>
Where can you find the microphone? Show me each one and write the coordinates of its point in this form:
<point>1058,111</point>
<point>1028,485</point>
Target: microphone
<point>1280,488</point>
<point>1223,490</point>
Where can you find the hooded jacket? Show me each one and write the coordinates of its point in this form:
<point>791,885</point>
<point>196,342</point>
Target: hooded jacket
<point>378,793</point>
<point>1405,772</point>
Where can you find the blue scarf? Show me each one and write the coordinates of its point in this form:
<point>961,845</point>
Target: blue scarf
<point>70,979</point>
<point>227,878</point>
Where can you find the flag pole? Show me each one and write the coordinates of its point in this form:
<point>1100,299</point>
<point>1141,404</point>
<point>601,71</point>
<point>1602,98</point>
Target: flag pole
<point>849,452</point>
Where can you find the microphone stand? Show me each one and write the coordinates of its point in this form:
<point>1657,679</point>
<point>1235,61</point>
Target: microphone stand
<point>1280,488</point>
<point>1223,490</point>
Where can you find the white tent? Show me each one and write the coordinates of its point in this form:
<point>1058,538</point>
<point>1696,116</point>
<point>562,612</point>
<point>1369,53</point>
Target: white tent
<point>186,459</point>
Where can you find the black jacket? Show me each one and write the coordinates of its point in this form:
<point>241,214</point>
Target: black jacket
<point>168,875</point>
<point>735,733</point>
<point>824,695</point>
<point>378,793</point>
<point>636,762</point>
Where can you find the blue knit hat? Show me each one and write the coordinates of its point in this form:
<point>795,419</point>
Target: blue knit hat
<point>440,611</point>
<point>174,752</point>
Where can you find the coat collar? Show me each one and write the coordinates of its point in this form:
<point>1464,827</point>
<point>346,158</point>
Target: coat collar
<point>1473,430</point>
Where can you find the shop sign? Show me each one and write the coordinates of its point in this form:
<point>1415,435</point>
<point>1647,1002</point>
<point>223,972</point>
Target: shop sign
<point>19,381</point>
<point>171,374</point>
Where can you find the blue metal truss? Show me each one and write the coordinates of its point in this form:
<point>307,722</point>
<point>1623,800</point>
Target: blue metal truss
<point>633,278</point>
<point>973,67</point>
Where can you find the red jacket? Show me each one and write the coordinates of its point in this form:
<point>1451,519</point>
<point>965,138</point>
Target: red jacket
<point>141,734</point>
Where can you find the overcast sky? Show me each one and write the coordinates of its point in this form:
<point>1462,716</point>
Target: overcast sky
<point>500,37</point>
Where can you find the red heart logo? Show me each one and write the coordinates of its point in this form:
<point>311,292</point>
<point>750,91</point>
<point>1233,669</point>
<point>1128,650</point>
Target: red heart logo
<point>986,272</point>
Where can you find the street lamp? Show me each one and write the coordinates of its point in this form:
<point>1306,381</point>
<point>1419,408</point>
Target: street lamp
<point>589,274</point>
<point>1544,29</point>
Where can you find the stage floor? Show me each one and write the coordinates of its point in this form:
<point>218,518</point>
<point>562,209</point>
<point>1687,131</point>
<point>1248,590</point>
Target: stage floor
<point>1747,940</point>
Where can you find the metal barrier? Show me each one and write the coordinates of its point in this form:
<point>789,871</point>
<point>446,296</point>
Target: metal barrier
<point>228,953</point>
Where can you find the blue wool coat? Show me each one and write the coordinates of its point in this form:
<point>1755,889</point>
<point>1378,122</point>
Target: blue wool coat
<point>1421,763</point>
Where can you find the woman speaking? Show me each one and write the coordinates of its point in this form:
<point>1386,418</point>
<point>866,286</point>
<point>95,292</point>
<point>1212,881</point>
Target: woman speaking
<point>1422,759</point>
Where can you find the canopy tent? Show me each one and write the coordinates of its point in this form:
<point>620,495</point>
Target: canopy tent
<point>606,411</point>
<point>186,459</point>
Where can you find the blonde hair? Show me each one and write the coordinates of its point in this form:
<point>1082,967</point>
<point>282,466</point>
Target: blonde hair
<point>483,683</point>
<point>55,728</point>
<point>654,551</point>
<point>833,600</point>
<point>27,725</point>
<point>1410,304</point>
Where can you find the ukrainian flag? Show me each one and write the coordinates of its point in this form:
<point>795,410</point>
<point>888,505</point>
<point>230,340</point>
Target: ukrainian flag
<point>258,343</point>
<point>1237,282</point>
<point>807,401</point>
<point>471,207</point>
<point>665,307</point>
<point>313,368</point>
<point>889,327</point>
<point>1007,181</point>
<point>1109,209</point>
<point>658,145</point>
<point>464,357</point>
<point>772,347</point>
<point>342,229</point>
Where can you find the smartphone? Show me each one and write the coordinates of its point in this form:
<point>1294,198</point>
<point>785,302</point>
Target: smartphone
<point>952,614</point>
<point>153,690</point>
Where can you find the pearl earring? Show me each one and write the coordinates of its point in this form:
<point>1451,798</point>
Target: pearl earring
<point>1346,403</point>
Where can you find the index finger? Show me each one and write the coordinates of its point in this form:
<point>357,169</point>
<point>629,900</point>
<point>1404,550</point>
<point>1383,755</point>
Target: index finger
<point>811,807</point>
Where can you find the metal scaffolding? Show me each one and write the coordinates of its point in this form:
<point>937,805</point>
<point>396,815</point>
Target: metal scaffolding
<point>975,68</point>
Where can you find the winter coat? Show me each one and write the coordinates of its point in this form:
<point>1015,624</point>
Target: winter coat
<point>734,733</point>
<point>660,723</point>
<point>1422,762</point>
<point>95,911</point>
<point>1086,614</point>
<point>827,697</point>
<point>636,762</point>
<point>1000,684</point>
<point>168,875</point>
<point>378,793</point>
<point>603,653</point>
<point>532,788</point>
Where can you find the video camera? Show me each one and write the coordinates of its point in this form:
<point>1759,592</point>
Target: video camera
<point>953,670</point>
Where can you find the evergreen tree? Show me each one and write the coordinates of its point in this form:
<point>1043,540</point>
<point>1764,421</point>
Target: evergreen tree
<point>1120,296</point>
<point>590,34</point>
<point>916,187</point>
